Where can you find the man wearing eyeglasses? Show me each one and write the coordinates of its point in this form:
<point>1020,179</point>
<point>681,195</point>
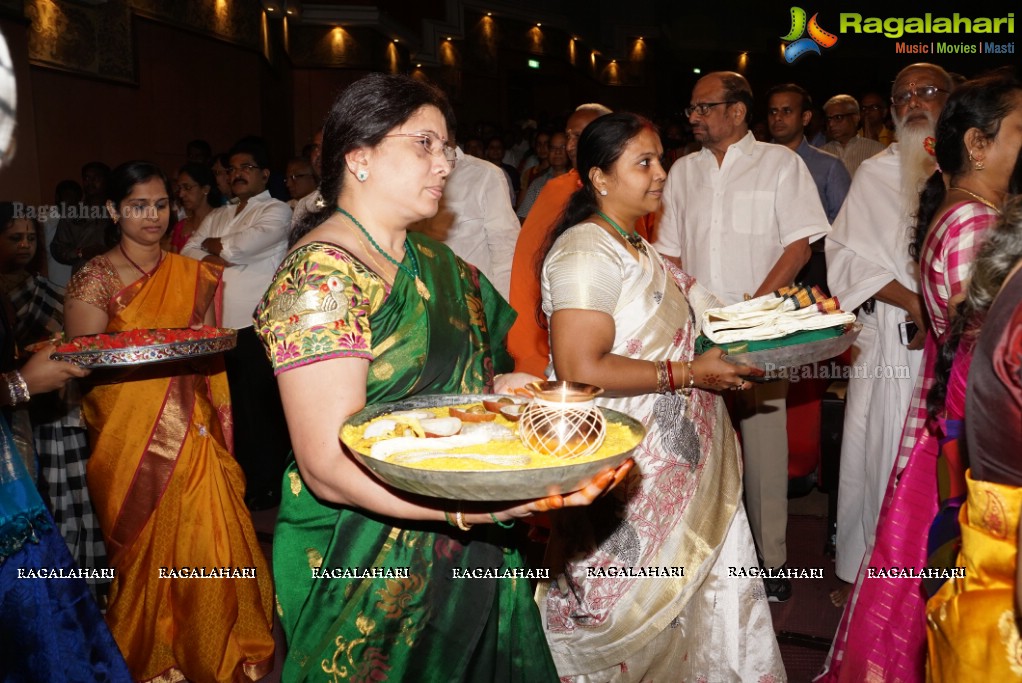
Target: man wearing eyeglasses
<point>301,179</point>
<point>841,114</point>
<point>249,239</point>
<point>874,119</point>
<point>739,216</point>
<point>867,259</point>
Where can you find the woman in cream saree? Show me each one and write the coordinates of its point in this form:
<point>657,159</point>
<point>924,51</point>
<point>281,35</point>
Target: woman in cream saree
<point>659,580</point>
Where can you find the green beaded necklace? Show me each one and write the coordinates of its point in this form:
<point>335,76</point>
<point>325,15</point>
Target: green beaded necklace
<point>632,237</point>
<point>412,272</point>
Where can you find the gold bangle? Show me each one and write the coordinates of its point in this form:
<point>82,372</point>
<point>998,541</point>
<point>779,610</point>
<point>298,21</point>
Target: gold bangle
<point>459,521</point>
<point>691,384</point>
<point>16,387</point>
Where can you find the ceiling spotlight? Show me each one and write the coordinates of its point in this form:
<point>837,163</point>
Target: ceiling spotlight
<point>418,66</point>
<point>489,14</point>
<point>396,40</point>
<point>539,25</point>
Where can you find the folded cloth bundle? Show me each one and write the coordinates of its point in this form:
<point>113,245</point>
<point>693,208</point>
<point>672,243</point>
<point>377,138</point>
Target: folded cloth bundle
<point>785,312</point>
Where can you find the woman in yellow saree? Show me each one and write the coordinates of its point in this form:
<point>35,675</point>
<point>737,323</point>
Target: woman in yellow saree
<point>168,493</point>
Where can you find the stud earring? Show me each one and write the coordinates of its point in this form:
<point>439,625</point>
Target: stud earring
<point>603,193</point>
<point>362,175</point>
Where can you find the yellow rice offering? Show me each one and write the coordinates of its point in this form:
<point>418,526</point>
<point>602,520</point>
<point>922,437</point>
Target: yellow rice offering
<point>507,449</point>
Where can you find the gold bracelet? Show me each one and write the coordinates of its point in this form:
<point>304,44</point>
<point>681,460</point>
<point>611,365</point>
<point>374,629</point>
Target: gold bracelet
<point>663,385</point>
<point>16,387</point>
<point>459,521</point>
<point>691,384</point>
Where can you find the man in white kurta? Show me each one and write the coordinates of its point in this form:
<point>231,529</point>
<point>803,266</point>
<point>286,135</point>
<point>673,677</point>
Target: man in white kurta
<point>867,256</point>
<point>476,219</point>
<point>739,216</point>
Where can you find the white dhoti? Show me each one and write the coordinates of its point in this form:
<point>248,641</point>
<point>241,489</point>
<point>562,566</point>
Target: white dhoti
<point>879,393</point>
<point>867,249</point>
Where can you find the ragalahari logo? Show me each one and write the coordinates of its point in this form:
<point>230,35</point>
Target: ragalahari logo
<point>795,46</point>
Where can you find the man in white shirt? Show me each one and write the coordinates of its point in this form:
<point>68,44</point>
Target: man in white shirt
<point>841,115</point>
<point>249,239</point>
<point>476,219</point>
<point>867,256</point>
<point>739,216</point>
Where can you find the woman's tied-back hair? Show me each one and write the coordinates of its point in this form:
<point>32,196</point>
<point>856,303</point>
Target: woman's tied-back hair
<point>361,116</point>
<point>600,146</point>
<point>981,103</point>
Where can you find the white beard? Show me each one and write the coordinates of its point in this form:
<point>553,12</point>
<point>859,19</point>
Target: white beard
<point>917,165</point>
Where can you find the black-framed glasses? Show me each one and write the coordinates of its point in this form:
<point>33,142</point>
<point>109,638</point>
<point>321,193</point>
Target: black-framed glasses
<point>242,167</point>
<point>838,118</point>
<point>926,93</point>
<point>703,108</point>
<point>296,176</point>
<point>872,107</point>
<point>432,144</point>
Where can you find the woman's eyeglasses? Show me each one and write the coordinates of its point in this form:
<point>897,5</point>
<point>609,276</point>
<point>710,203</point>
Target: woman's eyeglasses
<point>432,144</point>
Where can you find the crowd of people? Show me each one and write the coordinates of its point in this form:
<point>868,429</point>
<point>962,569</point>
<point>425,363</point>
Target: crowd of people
<point>385,261</point>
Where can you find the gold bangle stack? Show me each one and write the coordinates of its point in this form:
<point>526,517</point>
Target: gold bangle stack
<point>691,384</point>
<point>459,521</point>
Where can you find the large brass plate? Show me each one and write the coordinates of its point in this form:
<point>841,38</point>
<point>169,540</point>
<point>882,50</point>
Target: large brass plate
<point>521,483</point>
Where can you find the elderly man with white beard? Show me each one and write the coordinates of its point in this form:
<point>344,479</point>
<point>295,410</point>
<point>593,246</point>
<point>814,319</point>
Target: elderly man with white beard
<point>868,258</point>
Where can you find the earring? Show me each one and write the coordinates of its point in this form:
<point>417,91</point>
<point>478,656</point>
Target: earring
<point>362,175</point>
<point>603,193</point>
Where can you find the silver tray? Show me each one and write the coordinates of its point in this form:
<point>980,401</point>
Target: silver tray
<point>153,353</point>
<point>774,361</point>
<point>489,484</point>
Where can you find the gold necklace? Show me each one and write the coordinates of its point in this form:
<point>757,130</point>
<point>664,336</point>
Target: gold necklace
<point>975,196</point>
<point>412,272</point>
<point>376,262</point>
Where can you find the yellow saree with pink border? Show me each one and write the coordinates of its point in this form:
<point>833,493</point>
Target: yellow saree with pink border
<point>169,494</point>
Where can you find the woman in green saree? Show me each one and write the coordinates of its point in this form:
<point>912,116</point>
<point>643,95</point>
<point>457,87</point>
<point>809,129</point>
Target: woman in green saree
<point>362,312</point>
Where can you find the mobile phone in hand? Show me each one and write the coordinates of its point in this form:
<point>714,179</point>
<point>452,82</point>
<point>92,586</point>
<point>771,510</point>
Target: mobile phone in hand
<point>907,330</point>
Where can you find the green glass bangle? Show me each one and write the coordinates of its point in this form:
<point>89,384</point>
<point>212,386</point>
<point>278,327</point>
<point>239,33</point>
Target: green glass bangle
<point>502,525</point>
<point>447,516</point>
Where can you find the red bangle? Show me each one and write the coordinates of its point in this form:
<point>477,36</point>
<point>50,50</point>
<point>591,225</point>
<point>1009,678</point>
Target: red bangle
<point>670,377</point>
